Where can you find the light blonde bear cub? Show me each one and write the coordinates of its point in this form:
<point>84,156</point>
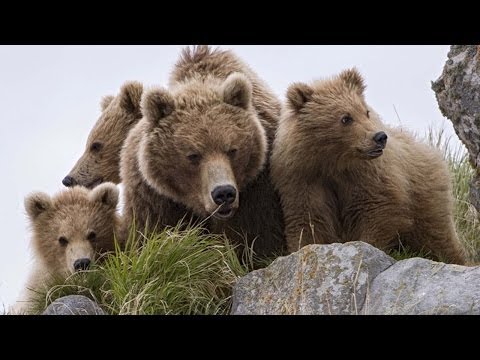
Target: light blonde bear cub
<point>69,230</point>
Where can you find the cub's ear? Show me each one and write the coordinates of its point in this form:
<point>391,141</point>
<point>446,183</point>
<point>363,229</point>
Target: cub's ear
<point>237,90</point>
<point>157,104</point>
<point>298,94</point>
<point>106,100</point>
<point>354,80</point>
<point>106,194</point>
<point>37,203</point>
<point>130,96</point>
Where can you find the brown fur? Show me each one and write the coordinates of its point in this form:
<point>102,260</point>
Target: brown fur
<point>213,126</point>
<point>332,191</point>
<point>74,214</point>
<point>119,115</point>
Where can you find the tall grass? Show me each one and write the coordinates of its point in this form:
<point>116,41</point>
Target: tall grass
<point>171,272</point>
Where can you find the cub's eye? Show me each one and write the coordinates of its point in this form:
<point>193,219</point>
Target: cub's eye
<point>232,152</point>
<point>91,236</point>
<point>96,147</point>
<point>194,158</point>
<point>63,240</point>
<point>368,113</point>
<point>347,119</point>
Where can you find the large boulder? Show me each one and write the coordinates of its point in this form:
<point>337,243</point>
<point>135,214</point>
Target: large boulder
<point>356,278</point>
<point>424,287</point>
<point>317,279</point>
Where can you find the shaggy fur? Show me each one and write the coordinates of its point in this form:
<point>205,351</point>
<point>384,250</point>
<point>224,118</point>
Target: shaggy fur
<point>101,160</point>
<point>335,189</point>
<point>75,224</point>
<point>213,126</point>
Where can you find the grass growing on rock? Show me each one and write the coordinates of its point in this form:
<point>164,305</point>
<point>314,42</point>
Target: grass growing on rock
<point>171,272</point>
<point>466,216</point>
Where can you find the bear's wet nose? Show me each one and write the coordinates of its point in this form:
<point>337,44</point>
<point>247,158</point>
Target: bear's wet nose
<point>81,264</point>
<point>380,138</point>
<point>68,181</point>
<point>224,194</point>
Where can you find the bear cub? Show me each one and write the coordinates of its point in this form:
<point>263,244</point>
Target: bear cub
<point>69,231</point>
<point>344,176</point>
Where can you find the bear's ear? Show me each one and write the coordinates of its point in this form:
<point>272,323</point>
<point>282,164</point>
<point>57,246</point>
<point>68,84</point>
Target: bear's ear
<point>106,100</point>
<point>157,104</point>
<point>354,80</point>
<point>130,96</point>
<point>106,194</point>
<point>298,94</point>
<point>37,203</point>
<point>237,90</point>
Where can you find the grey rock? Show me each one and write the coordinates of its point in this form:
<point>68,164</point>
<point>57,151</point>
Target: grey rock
<point>421,286</point>
<point>317,279</point>
<point>458,96</point>
<point>73,305</point>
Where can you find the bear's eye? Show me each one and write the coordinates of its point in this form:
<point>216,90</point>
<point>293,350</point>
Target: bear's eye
<point>368,113</point>
<point>232,152</point>
<point>194,158</point>
<point>96,147</point>
<point>91,236</point>
<point>347,119</point>
<point>63,240</point>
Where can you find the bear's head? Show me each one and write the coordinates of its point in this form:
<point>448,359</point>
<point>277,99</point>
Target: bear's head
<point>331,116</point>
<point>203,143</point>
<point>71,228</point>
<point>101,160</point>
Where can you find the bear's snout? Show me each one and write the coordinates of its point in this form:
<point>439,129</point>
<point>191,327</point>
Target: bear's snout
<point>380,139</point>
<point>81,264</point>
<point>68,181</point>
<point>224,194</point>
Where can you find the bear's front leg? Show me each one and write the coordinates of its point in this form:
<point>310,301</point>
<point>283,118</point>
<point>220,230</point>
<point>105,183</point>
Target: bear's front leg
<point>310,218</point>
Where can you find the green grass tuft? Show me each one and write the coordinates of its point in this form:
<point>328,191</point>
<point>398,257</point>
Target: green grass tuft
<point>171,272</point>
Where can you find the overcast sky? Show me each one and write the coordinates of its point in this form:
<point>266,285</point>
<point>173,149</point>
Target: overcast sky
<point>49,100</point>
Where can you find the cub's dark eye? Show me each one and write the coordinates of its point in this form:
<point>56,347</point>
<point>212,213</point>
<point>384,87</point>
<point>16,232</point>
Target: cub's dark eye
<point>91,236</point>
<point>194,158</point>
<point>63,240</point>
<point>96,147</point>
<point>346,120</point>
<point>232,152</point>
<point>368,113</point>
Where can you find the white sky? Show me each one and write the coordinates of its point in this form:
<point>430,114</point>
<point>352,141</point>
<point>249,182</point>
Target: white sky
<point>49,100</point>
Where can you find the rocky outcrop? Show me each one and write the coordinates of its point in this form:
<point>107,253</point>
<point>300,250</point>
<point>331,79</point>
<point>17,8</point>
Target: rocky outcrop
<point>356,278</point>
<point>458,96</point>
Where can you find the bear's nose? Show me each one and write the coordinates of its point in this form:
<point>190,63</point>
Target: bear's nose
<point>81,264</point>
<point>224,194</point>
<point>68,181</point>
<point>380,138</point>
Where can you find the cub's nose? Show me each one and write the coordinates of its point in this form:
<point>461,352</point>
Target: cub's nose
<point>225,194</point>
<point>380,138</point>
<point>81,264</point>
<point>68,181</point>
